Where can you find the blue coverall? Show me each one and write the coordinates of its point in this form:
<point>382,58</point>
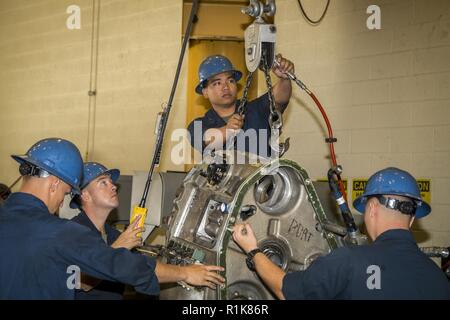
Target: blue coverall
<point>256,117</point>
<point>392,267</point>
<point>39,251</point>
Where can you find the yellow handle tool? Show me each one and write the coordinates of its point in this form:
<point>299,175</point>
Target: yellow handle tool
<point>139,211</point>
<point>162,124</point>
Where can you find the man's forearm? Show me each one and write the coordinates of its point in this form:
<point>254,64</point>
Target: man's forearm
<point>169,273</point>
<point>271,275</point>
<point>282,92</point>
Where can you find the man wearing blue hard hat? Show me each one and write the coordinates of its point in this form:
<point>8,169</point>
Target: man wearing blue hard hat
<point>218,83</point>
<point>392,267</point>
<point>42,256</point>
<point>97,199</point>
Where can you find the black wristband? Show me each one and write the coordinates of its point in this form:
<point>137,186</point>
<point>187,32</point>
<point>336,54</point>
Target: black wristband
<point>249,260</point>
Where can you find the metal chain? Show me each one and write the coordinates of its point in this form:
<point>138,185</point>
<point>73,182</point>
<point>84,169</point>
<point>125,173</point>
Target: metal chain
<point>243,102</point>
<point>241,107</point>
<point>275,119</point>
<point>268,81</point>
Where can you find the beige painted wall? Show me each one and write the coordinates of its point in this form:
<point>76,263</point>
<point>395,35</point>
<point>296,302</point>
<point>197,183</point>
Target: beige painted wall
<point>387,92</point>
<point>46,75</point>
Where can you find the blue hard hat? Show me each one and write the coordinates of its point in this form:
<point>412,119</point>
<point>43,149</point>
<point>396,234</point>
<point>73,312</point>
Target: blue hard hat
<point>393,181</point>
<point>59,157</point>
<point>212,66</point>
<point>92,170</point>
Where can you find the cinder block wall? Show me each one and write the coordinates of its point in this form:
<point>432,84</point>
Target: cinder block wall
<point>387,92</point>
<point>46,72</point>
<point>44,76</point>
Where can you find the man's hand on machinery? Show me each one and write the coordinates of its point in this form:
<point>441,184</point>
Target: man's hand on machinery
<point>245,237</point>
<point>129,238</point>
<point>203,275</point>
<point>284,65</point>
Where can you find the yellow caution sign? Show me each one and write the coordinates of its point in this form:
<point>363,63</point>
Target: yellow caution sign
<point>358,186</point>
<point>344,182</point>
<point>425,189</point>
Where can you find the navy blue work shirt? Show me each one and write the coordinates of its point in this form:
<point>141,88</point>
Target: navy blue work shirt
<point>392,267</point>
<point>37,249</point>
<point>105,290</point>
<point>256,121</point>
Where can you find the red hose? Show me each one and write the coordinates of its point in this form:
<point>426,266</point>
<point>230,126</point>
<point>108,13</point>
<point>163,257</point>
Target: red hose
<point>330,139</point>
